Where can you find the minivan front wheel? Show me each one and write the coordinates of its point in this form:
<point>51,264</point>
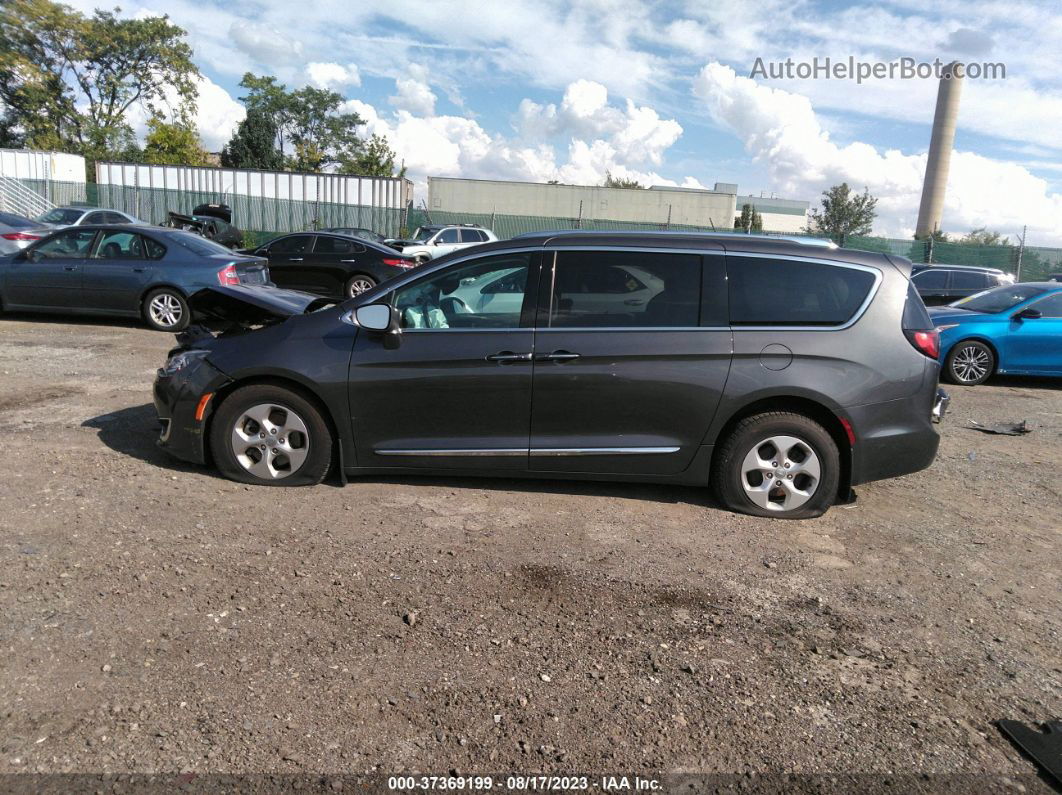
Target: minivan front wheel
<point>778,464</point>
<point>270,436</point>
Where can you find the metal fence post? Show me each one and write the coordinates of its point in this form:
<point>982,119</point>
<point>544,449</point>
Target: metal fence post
<point>929,251</point>
<point>1021,252</point>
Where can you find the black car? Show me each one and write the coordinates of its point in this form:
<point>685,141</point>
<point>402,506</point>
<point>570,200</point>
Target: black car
<point>357,231</point>
<point>943,284</point>
<point>782,372</point>
<point>338,266</point>
<point>125,271</point>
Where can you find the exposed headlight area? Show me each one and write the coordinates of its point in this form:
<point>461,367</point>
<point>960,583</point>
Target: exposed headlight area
<point>183,361</point>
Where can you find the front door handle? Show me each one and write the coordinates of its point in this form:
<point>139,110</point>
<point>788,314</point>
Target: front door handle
<point>295,259</point>
<point>139,270</point>
<point>508,357</point>
<point>556,356</point>
<point>348,260</point>
<point>70,267</point>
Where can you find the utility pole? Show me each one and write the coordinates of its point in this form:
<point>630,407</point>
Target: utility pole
<point>1021,252</point>
<point>667,226</point>
<point>579,220</point>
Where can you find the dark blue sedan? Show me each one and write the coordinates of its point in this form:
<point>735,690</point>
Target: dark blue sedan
<point>125,271</point>
<point>1015,329</point>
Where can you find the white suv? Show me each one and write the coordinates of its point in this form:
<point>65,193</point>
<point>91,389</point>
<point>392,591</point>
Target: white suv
<point>432,242</point>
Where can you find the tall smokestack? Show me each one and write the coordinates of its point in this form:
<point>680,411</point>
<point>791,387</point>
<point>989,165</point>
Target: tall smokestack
<point>940,146</point>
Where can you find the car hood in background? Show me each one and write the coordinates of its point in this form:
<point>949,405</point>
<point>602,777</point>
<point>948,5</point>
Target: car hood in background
<point>951,313</point>
<point>253,306</point>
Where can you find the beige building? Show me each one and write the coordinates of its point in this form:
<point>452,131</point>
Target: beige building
<point>714,208</point>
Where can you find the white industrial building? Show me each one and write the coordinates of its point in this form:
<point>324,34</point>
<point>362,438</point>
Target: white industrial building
<point>714,208</point>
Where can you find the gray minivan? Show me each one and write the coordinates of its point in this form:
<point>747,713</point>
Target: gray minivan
<point>781,371</point>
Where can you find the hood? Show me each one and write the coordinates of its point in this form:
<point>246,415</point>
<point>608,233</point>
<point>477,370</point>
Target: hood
<point>251,306</point>
<point>947,313</point>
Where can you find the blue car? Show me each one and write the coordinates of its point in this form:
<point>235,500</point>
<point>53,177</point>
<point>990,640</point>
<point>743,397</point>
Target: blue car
<point>1014,329</point>
<point>126,271</point>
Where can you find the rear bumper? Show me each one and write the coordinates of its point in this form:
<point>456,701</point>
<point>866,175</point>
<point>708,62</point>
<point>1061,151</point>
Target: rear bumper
<point>895,438</point>
<point>176,399</point>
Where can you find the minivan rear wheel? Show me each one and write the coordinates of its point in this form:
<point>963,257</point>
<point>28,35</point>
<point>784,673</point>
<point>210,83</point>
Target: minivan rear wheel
<point>270,436</point>
<point>778,464</point>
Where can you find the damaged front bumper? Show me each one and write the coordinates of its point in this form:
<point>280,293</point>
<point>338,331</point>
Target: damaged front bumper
<point>940,405</point>
<point>183,401</point>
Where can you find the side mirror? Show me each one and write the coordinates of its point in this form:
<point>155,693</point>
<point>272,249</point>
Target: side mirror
<point>437,242</point>
<point>1029,314</point>
<point>377,317</point>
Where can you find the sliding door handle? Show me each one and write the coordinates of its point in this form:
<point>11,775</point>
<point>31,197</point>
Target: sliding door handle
<point>508,357</point>
<point>556,356</point>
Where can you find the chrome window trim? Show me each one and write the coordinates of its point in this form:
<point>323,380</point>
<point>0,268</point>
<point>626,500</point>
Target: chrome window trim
<point>871,293</point>
<point>396,285</point>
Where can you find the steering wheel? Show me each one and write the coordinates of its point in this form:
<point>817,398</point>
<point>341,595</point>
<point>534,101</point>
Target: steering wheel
<point>452,305</point>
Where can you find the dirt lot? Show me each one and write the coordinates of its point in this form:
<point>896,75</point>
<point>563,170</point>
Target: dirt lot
<point>156,618</point>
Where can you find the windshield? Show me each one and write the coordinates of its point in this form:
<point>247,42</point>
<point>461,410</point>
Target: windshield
<point>199,245</point>
<point>60,215</point>
<point>998,299</point>
<point>423,233</point>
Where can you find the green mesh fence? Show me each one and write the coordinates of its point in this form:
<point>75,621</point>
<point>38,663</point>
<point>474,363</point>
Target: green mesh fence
<point>265,217</point>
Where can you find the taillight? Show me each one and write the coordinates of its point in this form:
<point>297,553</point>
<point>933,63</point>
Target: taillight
<point>925,342</point>
<point>399,263</point>
<point>228,277</point>
<point>20,236</point>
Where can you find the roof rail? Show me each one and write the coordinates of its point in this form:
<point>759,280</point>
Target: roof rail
<point>820,242</point>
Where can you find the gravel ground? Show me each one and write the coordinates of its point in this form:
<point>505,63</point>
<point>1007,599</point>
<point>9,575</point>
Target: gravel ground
<point>158,619</point>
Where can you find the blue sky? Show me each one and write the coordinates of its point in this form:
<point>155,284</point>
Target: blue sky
<point>660,91</point>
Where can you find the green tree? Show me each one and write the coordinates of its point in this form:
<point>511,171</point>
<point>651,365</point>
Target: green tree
<point>174,143</point>
<point>621,182</point>
<point>844,213</point>
<point>67,81</point>
<point>254,144</point>
<point>749,220</point>
<point>982,237</point>
<point>313,133</point>
<point>375,158</point>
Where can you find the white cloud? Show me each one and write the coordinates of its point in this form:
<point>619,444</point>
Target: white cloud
<point>217,115</point>
<point>333,75</point>
<point>603,138</point>
<point>781,130</point>
<point>413,92</point>
<point>265,43</point>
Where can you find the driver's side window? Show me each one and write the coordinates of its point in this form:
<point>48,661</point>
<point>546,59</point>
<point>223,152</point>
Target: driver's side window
<point>484,293</point>
<point>72,244</point>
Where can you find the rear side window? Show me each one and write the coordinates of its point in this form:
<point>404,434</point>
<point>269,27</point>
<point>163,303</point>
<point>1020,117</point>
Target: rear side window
<point>915,316</point>
<point>296,244</point>
<point>153,249</point>
<point>931,279</point>
<point>336,245</point>
<point>969,280</point>
<point>787,292</point>
<point>472,236</point>
<point>602,289</point>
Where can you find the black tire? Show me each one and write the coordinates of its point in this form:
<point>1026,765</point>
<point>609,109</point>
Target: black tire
<point>755,433</point>
<point>283,404</point>
<point>969,363</point>
<point>357,284</point>
<point>168,296</point>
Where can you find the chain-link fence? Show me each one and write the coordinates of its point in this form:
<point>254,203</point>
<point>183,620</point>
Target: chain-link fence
<point>264,217</point>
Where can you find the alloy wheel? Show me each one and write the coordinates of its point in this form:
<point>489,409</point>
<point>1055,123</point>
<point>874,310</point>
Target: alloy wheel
<point>970,363</point>
<point>781,473</point>
<point>270,441</point>
<point>359,286</point>
<point>165,310</point>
